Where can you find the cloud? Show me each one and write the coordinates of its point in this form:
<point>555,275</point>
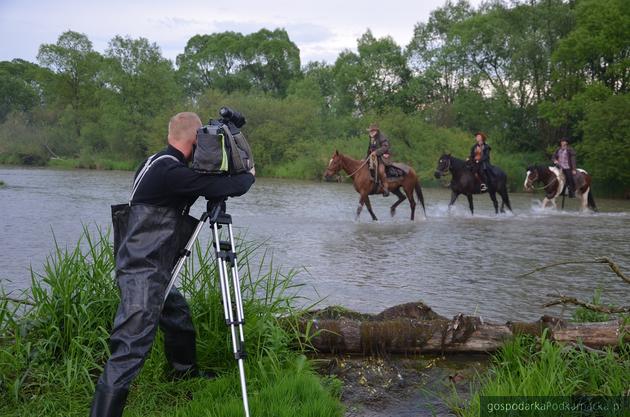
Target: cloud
<point>321,29</point>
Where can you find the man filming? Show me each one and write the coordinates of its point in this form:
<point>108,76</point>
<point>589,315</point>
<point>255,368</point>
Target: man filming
<point>164,188</point>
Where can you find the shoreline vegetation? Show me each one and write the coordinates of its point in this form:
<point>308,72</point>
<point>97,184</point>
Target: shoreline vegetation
<point>525,73</point>
<point>53,343</point>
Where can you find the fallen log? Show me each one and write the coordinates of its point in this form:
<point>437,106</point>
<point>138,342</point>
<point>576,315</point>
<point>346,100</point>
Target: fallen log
<point>415,328</point>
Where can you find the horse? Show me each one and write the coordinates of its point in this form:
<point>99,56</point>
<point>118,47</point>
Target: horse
<point>364,184</point>
<point>465,182</point>
<point>553,181</point>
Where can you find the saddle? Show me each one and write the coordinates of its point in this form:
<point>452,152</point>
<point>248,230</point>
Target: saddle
<point>396,170</point>
<point>578,179</point>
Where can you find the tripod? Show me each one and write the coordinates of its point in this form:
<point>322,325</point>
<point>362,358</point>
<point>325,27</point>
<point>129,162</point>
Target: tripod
<point>229,281</point>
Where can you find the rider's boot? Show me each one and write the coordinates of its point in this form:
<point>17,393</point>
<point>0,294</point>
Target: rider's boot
<point>384,183</point>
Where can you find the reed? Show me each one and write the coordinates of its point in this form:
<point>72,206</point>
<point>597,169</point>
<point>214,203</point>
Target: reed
<point>54,342</point>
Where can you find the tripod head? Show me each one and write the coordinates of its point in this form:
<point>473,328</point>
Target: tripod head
<point>215,212</point>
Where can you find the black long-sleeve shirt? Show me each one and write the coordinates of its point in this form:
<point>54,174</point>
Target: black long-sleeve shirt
<point>171,183</point>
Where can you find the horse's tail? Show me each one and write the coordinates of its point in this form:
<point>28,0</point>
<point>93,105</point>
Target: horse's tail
<point>507,198</point>
<point>591,200</point>
<point>420,196</point>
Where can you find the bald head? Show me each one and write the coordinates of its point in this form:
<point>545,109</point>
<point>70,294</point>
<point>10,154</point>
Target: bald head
<point>183,127</point>
<point>182,132</point>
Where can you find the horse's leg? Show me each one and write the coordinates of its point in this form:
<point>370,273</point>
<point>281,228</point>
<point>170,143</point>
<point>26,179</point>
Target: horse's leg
<point>369,207</point>
<point>470,203</point>
<point>412,202</point>
<point>401,198</point>
<point>544,203</point>
<point>361,202</point>
<point>493,197</point>
<point>584,198</point>
<point>454,196</point>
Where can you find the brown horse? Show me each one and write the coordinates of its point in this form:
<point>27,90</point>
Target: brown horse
<point>362,180</point>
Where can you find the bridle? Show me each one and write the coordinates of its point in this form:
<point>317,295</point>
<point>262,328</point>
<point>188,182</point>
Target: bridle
<point>448,167</point>
<point>354,172</point>
<point>531,181</point>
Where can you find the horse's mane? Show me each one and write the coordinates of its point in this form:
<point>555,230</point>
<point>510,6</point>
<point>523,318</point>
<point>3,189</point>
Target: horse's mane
<point>537,167</point>
<point>456,161</point>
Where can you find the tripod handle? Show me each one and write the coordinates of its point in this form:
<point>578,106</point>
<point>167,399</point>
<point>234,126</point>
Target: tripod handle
<point>214,208</point>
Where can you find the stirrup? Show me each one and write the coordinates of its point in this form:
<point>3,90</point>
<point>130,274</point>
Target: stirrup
<point>483,187</point>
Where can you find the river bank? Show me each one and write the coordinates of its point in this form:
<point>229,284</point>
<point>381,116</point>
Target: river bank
<point>53,344</point>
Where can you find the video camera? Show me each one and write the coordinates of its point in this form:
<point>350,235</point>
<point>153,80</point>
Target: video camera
<point>221,146</point>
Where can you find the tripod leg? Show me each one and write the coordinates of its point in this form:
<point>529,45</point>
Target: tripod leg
<point>232,303</point>
<point>182,259</point>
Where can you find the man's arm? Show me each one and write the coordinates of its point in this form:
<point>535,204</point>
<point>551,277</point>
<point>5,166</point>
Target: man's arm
<point>384,146</point>
<point>184,181</point>
<point>485,153</point>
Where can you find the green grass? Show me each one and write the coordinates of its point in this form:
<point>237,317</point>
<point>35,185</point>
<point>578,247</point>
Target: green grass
<point>53,346</point>
<point>526,367</point>
<point>529,366</point>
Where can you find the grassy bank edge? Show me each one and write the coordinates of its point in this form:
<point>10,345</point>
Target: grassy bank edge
<point>53,344</point>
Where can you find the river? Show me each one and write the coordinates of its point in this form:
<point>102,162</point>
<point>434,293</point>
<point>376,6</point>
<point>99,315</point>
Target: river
<point>454,262</point>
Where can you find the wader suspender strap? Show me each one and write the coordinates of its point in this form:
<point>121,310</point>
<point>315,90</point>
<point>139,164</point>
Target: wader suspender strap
<point>144,170</point>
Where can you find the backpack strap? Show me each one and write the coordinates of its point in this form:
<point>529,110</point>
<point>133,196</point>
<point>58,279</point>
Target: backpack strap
<point>150,161</point>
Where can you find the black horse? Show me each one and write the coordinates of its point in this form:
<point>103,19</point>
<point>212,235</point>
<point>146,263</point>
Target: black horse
<point>465,182</point>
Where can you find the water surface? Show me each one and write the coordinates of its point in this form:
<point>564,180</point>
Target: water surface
<point>453,261</point>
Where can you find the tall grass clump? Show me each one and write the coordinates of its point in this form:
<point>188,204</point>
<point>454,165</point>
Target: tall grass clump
<point>54,341</point>
<point>528,366</point>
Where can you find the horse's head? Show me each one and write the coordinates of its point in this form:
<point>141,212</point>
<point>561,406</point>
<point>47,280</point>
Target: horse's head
<point>443,165</point>
<point>530,178</point>
<point>334,166</point>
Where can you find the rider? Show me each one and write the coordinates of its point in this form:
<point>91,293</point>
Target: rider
<point>564,158</point>
<point>480,155</point>
<point>379,147</point>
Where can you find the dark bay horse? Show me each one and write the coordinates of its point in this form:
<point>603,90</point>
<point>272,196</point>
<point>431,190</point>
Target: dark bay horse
<point>362,180</point>
<point>553,182</point>
<point>464,182</point>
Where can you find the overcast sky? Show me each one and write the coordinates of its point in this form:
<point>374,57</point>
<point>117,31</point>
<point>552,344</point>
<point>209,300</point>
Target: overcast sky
<point>320,28</point>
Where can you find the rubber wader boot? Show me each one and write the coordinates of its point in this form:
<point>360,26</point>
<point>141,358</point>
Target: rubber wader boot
<point>108,402</point>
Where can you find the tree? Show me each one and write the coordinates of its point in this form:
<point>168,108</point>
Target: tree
<point>139,95</point>
<point>213,61</point>
<point>437,59</point>
<point>372,79</point>
<point>266,61</point>
<point>75,65</point>
<point>605,148</point>
<point>18,87</point>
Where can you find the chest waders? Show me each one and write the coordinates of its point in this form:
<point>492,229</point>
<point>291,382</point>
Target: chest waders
<point>229,281</point>
<point>148,242</point>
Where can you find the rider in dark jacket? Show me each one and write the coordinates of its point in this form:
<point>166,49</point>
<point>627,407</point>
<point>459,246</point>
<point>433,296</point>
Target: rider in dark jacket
<point>480,156</point>
<point>379,146</point>
<point>565,159</point>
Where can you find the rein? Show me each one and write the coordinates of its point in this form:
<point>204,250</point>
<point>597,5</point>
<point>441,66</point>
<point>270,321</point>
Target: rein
<point>357,170</point>
<point>544,186</point>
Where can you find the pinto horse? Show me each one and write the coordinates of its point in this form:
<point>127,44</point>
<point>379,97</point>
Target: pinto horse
<point>364,185</point>
<point>553,181</point>
<point>464,182</point>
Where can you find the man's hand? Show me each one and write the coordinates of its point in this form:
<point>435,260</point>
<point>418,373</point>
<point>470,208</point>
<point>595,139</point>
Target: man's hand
<point>574,172</point>
<point>555,161</point>
<point>373,153</point>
